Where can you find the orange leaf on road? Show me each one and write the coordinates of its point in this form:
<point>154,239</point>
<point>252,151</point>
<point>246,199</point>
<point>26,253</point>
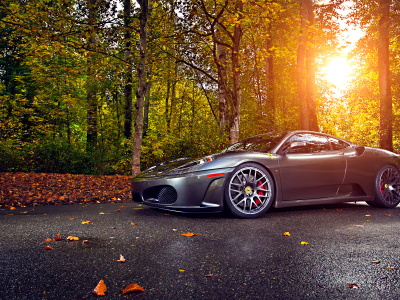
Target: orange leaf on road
<point>353,285</point>
<point>58,237</point>
<point>286,234</point>
<point>114,227</point>
<point>48,240</point>
<point>189,234</point>
<point>100,289</point>
<point>121,259</point>
<point>86,222</point>
<point>12,208</point>
<point>388,215</point>
<point>73,238</point>
<point>208,275</point>
<point>48,248</point>
<point>133,287</point>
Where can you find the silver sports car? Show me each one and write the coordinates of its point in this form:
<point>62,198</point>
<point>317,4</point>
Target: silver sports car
<point>283,169</point>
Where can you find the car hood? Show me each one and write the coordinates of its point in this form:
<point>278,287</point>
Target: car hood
<point>169,167</point>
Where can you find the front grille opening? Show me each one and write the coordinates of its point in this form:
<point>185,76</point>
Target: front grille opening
<point>163,194</point>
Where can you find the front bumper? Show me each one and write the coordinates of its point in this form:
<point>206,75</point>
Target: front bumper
<point>192,192</point>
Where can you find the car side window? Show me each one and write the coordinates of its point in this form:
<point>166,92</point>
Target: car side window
<point>314,143</point>
<point>338,144</point>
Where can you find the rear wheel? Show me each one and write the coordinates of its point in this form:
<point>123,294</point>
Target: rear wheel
<point>249,191</point>
<point>387,188</point>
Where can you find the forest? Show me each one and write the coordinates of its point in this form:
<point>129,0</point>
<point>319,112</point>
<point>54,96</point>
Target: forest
<point>114,86</point>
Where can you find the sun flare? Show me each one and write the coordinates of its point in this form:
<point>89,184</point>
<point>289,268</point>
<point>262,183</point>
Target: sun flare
<point>337,72</point>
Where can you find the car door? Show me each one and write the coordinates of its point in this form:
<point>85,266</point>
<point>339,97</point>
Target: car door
<point>311,171</point>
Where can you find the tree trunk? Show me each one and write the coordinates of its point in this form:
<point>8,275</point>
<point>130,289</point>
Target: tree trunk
<point>91,135</point>
<point>167,116</point>
<point>147,100</point>
<point>236,93</point>
<point>386,140</point>
<point>310,69</point>
<point>148,82</point>
<point>301,73</point>
<point>128,70</point>
<point>269,68</point>
<point>137,140</point>
<point>222,90</point>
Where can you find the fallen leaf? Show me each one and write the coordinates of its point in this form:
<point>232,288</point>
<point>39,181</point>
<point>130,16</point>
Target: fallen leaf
<point>359,225</point>
<point>121,259</point>
<point>376,261</point>
<point>189,234</point>
<point>133,245</point>
<point>208,275</point>
<point>389,268</point>
<point>118,210</point>
<point>100,289</point>
<point>114,227</point>
<point>85,242</point>
<point>71,218</point>
<point>133,223</point>
<point>86,222</point>
<point>133,287</point>
<point>304,243</point>
<point>72,238</point>
<point>367,215</point>
<point>48,248</point>
<point>12,208</point>
<point>353,285</point>
<point>388,215</point>
<point>181,270</point>
<point>286,234</point>
<point>58,237</point>
<point>48,240</point>
<point>101,213</point>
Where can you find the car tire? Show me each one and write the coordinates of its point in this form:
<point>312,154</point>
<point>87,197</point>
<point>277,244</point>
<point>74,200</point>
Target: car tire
<point>249,191</point>
<point>387,188</point>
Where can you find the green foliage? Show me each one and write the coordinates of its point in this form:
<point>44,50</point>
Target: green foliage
<point>45,79</point>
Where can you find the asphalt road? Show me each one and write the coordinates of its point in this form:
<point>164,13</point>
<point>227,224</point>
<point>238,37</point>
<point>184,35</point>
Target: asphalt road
<point>248,259</point>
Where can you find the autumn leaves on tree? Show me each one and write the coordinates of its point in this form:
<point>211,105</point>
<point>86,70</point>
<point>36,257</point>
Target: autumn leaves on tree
<point>134,83</point>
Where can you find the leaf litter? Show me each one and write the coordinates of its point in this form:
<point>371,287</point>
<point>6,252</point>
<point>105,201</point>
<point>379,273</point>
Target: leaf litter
<point>22,189</point>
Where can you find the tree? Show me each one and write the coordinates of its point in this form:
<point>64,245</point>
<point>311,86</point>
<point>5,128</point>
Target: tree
<point>140,94</point>
<point>384,76</point>
<point>128,69</point>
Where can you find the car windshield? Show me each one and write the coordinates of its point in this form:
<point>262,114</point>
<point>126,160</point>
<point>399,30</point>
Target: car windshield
<point>258,143</point>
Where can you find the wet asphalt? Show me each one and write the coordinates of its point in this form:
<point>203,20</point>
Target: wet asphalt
<point>248,259</point>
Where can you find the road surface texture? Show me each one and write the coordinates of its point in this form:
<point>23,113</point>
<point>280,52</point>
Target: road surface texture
<point>248,259</point>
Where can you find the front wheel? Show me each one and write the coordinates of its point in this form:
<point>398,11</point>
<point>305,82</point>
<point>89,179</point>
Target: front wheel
<point>249,191</point>
<point>387,188</point>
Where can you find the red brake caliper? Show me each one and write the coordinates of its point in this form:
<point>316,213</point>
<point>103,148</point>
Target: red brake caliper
<point>260,185</point>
